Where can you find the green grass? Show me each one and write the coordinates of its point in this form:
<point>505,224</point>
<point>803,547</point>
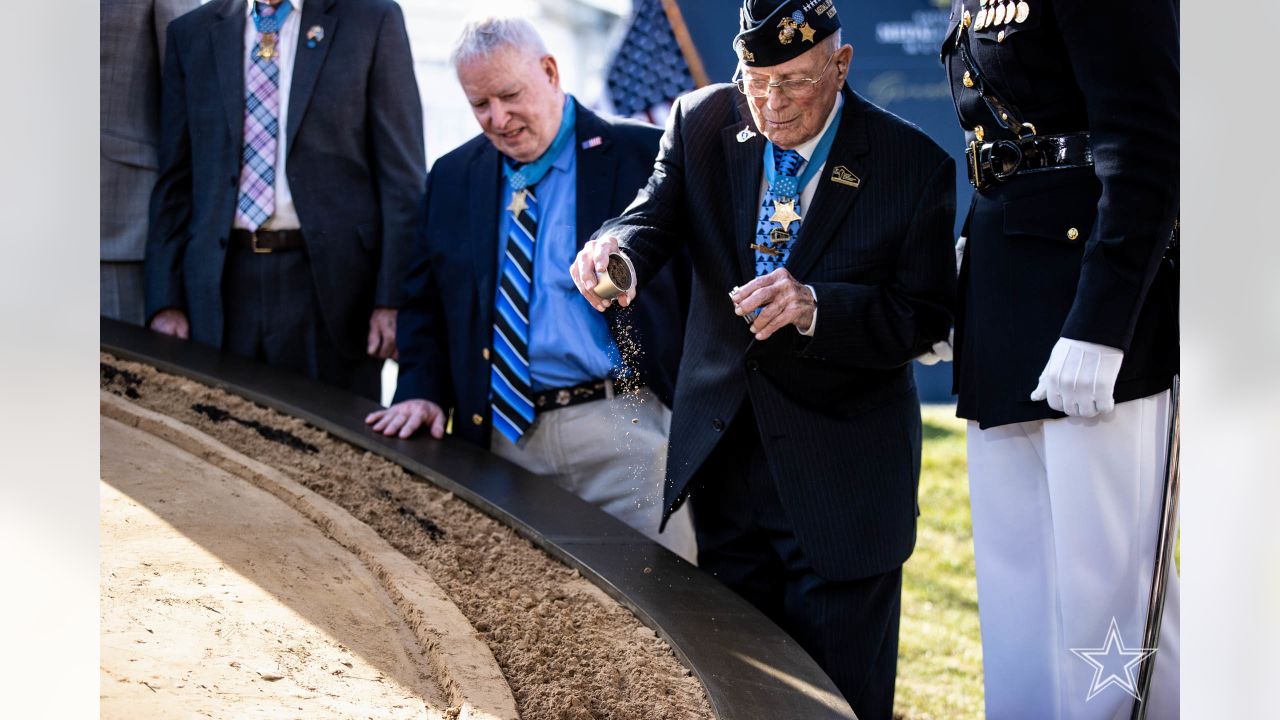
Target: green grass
<point>940,650</point>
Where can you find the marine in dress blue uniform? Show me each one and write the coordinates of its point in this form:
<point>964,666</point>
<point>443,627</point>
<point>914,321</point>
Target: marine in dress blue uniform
<point>1066,340</point>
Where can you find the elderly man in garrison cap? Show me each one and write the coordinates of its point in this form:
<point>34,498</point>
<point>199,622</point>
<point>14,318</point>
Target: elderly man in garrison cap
<point>819,227</point>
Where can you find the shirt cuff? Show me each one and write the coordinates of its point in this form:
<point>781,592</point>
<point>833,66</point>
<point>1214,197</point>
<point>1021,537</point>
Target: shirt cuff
<point>813,323</point>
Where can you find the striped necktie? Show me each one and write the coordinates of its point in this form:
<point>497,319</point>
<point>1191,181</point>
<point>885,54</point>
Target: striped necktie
<point>257,200</point>
<point>778,224</point>
<point>511,384</point>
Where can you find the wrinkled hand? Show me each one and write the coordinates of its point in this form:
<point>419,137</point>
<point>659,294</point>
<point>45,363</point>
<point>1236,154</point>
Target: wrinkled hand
<point>1080,378</point>
<point>172,321</point>
<point>783,299</point>
<point>405,417</point>
<point>591,263</point>
<point>382,334</point>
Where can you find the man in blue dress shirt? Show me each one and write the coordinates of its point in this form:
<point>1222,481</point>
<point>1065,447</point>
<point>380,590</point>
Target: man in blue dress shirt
<point>494,331</point>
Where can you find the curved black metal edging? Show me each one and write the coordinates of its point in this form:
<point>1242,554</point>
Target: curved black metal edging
<point>751,669</point>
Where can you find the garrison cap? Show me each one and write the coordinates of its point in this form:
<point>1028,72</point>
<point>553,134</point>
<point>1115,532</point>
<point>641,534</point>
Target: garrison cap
<point>773,32</point>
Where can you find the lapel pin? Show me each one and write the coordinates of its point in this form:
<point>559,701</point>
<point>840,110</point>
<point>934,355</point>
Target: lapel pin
<point>842,175</point>
<point>745,135</point>
<point>596,141</point>
<point>314,36</point>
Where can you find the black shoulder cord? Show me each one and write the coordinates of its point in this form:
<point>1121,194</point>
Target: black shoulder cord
<point>1005,112</point>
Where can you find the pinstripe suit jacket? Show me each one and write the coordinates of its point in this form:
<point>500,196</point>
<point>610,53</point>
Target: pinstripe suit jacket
<point>837,413</point>
<point>131,46</point>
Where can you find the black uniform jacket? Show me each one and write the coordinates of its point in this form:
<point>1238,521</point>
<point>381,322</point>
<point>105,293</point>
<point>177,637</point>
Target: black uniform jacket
<point>445,326</point>
<point>838,413</point>
<point>1077,253</point>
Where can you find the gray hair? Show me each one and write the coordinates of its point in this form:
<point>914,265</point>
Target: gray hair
<point>482,37</point>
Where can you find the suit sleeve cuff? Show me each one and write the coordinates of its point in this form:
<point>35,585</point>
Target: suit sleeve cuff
<point>813,322</point>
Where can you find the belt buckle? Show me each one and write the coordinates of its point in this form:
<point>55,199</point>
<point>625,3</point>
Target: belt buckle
<point>975,171</point>
<point>253,243</point>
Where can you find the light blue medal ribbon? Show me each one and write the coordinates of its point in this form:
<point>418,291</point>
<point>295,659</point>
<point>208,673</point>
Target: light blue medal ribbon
<point>529,175</point>
<point>788,187</point>
<point>271,23</point>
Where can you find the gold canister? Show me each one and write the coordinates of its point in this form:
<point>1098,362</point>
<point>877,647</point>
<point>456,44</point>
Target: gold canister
<point>617,278</point>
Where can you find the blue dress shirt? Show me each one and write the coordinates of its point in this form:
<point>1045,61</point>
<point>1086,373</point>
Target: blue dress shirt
<point>569,341</point>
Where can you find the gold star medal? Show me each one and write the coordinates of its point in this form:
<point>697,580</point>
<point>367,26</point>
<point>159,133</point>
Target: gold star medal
<point>267,46</point>
<point>806,33</point>
<point>784,213</point>
<point>518,202</point>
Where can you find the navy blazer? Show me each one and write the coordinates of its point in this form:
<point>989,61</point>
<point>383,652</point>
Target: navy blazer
<point>837,413</point>
<point>445,326</point>
<point>355,161</point>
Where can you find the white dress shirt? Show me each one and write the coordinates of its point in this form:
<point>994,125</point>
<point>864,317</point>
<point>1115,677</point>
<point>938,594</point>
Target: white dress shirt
<point>285,216</point>
<point>805,149</point>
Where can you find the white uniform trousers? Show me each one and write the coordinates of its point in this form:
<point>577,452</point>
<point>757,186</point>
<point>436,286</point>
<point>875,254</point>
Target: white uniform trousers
<point>597,452</point>
<point>1065,517</point>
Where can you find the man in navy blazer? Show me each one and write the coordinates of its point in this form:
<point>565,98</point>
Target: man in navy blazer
<point>819,230</point>
<point>503,342</point>
<point>291,167</point>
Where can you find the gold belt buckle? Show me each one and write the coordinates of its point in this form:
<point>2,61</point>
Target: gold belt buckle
<point>975,168</point>
<point>253,242</point>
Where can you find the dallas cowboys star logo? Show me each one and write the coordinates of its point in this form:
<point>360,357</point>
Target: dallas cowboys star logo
<point>1111,660</point>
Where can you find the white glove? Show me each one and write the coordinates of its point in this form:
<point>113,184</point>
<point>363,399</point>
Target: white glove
<point>941,351</point>
<point>1080,378</point>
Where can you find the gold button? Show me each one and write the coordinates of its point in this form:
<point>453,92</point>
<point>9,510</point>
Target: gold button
<point>968,79</point>
<point>485,353</point>
<point>1004,116</point>
<point>477,419</point>
<point>1072,234</point>
<point>979,132</point>
<point>968,19</point>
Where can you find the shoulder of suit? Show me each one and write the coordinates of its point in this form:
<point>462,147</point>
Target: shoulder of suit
<point>719,97</point>
<point>199,17</point>
<point>630,130</point>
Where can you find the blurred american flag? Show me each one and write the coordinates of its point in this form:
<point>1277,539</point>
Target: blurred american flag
<point>655,63</point>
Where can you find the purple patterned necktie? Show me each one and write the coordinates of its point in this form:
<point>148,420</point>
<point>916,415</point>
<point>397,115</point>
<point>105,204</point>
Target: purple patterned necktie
<point>257,199</point>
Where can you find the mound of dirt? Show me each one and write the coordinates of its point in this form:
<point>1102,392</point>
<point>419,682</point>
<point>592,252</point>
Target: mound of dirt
<point>568,651</point>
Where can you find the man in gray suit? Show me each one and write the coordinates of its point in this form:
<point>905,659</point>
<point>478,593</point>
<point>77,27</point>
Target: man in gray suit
<point>132,45</point>
<point>291,170</point>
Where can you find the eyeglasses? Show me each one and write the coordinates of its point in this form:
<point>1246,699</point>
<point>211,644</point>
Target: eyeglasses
<point>794,88</point>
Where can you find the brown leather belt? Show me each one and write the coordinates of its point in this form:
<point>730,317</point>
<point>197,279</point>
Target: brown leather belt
<point>564,397</point>
<point>267,241</point>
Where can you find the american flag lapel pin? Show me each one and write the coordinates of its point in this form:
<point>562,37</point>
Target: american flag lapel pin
<point>596,141</point>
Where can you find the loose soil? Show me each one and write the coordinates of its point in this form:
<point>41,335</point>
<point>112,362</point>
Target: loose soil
<point>220,601</point>
<point>568,651</point>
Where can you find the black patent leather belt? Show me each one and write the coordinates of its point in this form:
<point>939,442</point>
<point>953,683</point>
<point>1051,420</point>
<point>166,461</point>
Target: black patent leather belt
<point>997,161</point>
<point>574,395</point>
<point>267,241</point>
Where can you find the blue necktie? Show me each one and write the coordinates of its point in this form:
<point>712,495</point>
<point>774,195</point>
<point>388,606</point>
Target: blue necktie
<point>778,224</point>
<point>511,383</point>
